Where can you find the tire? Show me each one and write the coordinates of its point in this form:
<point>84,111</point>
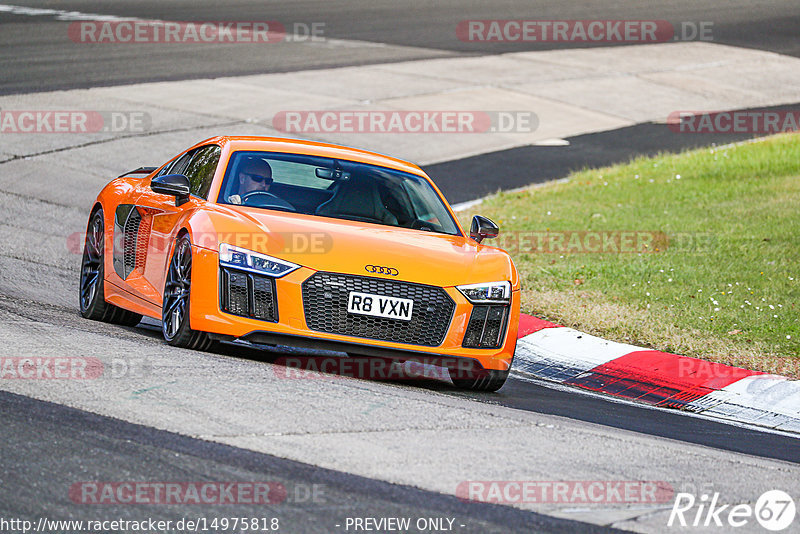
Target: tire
<point>91,297</point>
<point>488,380</point>
<point>175,309</point>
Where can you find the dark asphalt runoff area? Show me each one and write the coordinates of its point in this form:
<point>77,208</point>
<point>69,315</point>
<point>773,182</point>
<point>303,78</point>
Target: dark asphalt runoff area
<point>470,178</point>
<point>36,53</point>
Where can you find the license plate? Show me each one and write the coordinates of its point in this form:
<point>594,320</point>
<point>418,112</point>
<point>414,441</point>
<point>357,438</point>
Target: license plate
<point>380,306</point>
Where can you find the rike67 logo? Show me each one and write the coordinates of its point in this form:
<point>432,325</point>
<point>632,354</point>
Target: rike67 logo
<point>774,510</point>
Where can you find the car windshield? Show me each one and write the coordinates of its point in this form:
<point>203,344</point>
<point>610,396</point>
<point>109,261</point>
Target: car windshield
<point>334,188</point>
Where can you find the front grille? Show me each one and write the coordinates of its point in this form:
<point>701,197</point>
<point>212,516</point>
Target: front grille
<point>263,298</point>
<point>325,298</point>
<point>248,295</point>
<point>486,327</point>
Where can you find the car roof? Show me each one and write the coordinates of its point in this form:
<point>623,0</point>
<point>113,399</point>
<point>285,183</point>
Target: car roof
<point>313,148</point>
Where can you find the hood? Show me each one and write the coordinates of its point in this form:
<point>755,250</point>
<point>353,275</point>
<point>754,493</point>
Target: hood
<point>342,246</point>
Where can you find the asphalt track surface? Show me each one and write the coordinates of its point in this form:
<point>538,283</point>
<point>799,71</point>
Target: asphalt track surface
<point>67,445</point>
<point>37,55</point>
<point>523,395</point>
<point>474,177</point>
<point>48,446</point>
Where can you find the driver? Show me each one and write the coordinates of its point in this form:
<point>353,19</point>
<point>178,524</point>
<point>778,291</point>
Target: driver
<point>254,175</point>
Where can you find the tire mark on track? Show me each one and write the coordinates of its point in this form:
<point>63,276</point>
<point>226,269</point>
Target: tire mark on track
<point>18,157</point>
<point>32,311</point>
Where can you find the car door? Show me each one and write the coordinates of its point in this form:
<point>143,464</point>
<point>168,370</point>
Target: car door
<point>147,230</point>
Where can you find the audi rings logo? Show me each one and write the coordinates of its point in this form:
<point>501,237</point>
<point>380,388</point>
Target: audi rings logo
<point>378,269</point>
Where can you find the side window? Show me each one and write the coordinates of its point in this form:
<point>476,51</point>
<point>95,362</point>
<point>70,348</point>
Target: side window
<point>177,166</point>
<point>200,170</point>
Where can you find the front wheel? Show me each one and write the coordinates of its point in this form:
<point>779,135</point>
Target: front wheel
<point>175,310</point>
<point>483,380</point>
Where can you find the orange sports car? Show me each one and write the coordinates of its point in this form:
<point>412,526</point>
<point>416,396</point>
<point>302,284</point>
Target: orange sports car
<point>286,242</point>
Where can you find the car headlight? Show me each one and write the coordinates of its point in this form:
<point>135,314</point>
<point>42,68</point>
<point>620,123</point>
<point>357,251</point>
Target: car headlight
<point>256,262</point>
<point>490,292</point>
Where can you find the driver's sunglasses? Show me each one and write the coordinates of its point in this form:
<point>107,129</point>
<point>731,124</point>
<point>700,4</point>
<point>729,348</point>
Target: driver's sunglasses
<point>256,177</point>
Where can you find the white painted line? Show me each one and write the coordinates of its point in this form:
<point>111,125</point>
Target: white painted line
<point>552,142</point>
<point>787,431</point>
<point>467,205</point>
<point>60,14</point>
<point>470,203</point>
<point>561,353</point>
<point>763,399</point>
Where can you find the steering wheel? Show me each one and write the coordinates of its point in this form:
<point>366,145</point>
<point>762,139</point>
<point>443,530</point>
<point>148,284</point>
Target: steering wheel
<point>266,200</point>
<point>419,224</point>
<point>254,193</point>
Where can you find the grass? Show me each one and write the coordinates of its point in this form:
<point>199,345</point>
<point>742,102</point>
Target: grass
<point>716,274</point>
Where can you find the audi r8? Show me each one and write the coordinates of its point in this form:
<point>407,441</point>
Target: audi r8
<point>295,243</point>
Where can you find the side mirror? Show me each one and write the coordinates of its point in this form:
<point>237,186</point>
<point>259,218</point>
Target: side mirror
<point>176,185</point>
<point>483,228</point>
